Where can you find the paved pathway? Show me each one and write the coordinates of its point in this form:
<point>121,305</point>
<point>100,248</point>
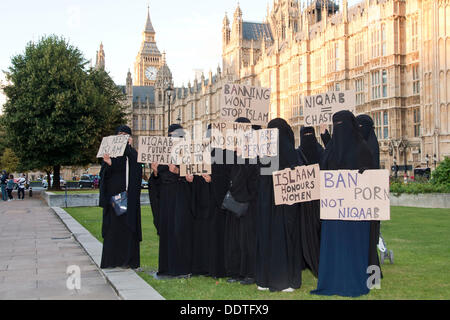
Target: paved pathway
<point>35,250</point>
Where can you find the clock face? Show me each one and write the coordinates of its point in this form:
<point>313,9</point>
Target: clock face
<point>150,73</point>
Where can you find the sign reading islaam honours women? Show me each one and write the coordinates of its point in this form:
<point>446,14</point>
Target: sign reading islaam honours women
<point>319,109</point>
<point>245,101</point>
<point>349,195</point>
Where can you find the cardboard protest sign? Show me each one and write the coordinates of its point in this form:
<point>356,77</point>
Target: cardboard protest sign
<point>349,195</point>
<point>194,151</point>
<point>295,186</point>
<point>113,145</point>
<point>228,135</point>
<point>159,149</point>
<point>250,102</point>
<point>260,143</point>
<point>195,169</point>
<point>319,109</point>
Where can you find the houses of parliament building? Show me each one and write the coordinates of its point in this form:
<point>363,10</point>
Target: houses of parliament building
<point>394,54</point>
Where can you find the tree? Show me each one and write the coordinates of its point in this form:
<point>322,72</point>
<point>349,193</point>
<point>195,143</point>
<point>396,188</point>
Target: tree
<point>9,161</point>
<point>441,176</point>
<point>57,111</point>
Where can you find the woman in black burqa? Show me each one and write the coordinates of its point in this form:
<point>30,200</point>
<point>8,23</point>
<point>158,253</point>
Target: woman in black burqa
<point>122,235</point>
<point>344,246</point>
<point>367,130</point>
<point>310,151</point>
<point>278,251</point>
<point>170,198</point>
<point>240,233</point>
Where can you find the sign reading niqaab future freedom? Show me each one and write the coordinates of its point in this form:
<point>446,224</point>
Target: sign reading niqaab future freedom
<point>113,145</point>
<point>158,149</point>
<point>245,101</point>
<point>349,195</point>
<point>319,109</point>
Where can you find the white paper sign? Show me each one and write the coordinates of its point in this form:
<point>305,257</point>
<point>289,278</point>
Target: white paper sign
<point>349,195</point>
<point>113,145</point>
<point>319,109</point>
<point>249,102</point>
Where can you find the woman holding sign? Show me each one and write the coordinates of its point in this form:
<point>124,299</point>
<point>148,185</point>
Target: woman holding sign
<point>344,246</point>
<point>170,197</point>
<point>278,250</point>
<point>121,232</point>
<point>310,216</point>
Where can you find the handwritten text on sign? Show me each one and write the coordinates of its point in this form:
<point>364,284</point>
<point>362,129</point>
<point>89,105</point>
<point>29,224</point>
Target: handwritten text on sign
<point>319,109</point>
<point>245,101</point>
<point>158,149</point>
<point>349,195</point>
<point>113,145</point>
<point>295,186</point>
<point>195,169</point>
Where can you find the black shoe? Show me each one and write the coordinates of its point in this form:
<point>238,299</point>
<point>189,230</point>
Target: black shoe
<point>248,281</point>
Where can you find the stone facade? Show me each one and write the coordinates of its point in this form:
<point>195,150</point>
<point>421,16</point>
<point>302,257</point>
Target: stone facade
<point>395,54</point>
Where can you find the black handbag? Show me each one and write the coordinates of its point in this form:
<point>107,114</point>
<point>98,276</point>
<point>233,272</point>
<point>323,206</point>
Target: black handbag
<point>119,202</point>
<point>230,204</point>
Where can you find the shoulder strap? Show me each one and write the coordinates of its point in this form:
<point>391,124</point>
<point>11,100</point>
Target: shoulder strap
<point>127,173</point>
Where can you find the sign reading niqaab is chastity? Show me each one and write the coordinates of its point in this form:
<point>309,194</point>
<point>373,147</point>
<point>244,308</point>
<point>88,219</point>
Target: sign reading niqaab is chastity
<point>113,145</point>
<point>161,150</point>
<point>245,101</point>
<point>319,109</point>
<point>349,195</point>
<point>295,186</point>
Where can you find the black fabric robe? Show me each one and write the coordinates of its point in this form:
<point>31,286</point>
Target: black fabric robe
<point>366,126</point>
<point>278,249</point>
<point>122,235</point>
<point>170,197</point>
<point>220,181</point>
<point>240,233</point>
<point>202,218</point>
<point>310,151</point>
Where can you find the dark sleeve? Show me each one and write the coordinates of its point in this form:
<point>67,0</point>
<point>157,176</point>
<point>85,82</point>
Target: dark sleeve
<point>154,191</point>
<point>326,137</point>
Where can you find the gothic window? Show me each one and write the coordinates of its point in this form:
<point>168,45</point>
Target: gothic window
<point>144,123</point>
<point>416,119</point>
<point>379,84</point>
<point>136,122</point>
<point>414,35</point>
<point>336,56</point>
<point>152,124</point>
<point>383,40</point>
<point>416,79</point>
<point>359,89</point>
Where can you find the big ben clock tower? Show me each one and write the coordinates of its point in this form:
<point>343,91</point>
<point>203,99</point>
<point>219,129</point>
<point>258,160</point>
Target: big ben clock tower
<point>149,59</point>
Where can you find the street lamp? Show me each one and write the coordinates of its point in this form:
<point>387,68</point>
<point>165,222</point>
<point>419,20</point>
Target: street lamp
<point>395,166</point>
<point>168,91</point>
<point>435,160</point>
<point>427,159</point>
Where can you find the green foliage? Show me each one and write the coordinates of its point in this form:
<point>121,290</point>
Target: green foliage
<point>57,111</point>
<point>398,187</point>
<point>9,161</point>
<point>441,176</point>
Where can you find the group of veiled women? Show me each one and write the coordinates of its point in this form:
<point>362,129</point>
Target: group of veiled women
<point>269,245</point>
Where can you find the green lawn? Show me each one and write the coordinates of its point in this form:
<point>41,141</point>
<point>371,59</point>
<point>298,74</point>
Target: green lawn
<point>419,237</point>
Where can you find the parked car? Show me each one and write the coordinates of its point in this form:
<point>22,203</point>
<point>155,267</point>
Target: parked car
<point>144,184</point>
<point>86,182</point>
<point>62,182</point>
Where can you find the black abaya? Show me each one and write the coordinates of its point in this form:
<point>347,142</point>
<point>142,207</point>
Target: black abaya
<point>366,126</point>
<point>278,249</point>
<point>122,235</point>
<point>310,223</point>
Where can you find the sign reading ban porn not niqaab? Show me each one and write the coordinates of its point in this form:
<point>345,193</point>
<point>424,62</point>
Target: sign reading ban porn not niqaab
<point>245,101</point>
<point>349,195</point>
<point>319,109</point>
<point>113,145</point>
<point>296,186</point>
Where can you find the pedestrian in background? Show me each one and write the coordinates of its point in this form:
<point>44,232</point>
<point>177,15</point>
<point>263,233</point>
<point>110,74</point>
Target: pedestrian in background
<point>3,182</point>
<point>21,188</point>
<point>10,187</point>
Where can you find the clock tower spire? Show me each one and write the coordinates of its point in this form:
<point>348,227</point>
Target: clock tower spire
<point>149,59</point>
